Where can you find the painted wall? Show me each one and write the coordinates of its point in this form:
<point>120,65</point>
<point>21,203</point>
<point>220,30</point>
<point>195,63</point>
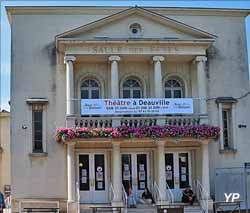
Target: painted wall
<point>35,74</point>
<point>4,150</point>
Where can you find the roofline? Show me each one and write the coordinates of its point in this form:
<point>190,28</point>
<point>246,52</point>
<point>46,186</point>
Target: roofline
<point>36,9</point>
<point>125,12</point>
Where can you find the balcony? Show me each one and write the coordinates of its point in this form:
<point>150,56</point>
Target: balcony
<point>101,121</point>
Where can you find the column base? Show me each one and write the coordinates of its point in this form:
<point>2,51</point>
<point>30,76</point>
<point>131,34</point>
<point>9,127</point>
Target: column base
<point>163,202</point>
<point>117,203</point>
<point>72,206</point>
<point>210,204</point>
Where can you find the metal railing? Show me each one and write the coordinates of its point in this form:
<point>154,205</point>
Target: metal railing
<point>157,194</point>
<point>125,199</point>
<point>170,195</point>
<point>202,196</point>
<point>111,192</point>
<point>78,197</point>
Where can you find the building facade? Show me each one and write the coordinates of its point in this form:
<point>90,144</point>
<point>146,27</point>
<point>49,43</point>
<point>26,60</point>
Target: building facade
<point>61,56</point>
<point>5,153</point>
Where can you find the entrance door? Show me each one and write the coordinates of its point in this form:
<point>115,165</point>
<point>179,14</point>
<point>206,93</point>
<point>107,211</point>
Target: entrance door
<point>135,172</point>
<point>93,178</point>
<point>178,172</point>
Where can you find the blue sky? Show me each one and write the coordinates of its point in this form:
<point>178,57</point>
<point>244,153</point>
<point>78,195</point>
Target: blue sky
<point>5,28</point>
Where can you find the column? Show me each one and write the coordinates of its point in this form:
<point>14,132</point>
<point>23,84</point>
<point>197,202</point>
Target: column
<point>68,60</point>
<point>161,169</point>
<point>201,83</point>
<point>71,172</point>
<point>205,166</point>
<point>116,174</point>
<point>158,76</point>
<point>114,76</point>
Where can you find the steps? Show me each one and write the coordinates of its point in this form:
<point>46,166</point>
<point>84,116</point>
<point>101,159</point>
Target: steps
<point>145,209</point>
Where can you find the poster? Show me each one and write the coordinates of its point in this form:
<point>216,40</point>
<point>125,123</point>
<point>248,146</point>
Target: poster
<point>84,172</point>
<point>84,179</point>
<point>142,175</point>
<point>183,170</point>
<point>183,178</point>
<point>126,167</point>
<point>99,185</point>
<point>142,185</point>
<point>141,167</point>
<point>126,175</point>
<point>169,175</point>
<point>183,159</point>
<point>99,176</point>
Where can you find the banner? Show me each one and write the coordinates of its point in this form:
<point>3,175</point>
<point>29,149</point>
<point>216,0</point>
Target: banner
<point>146,106</point>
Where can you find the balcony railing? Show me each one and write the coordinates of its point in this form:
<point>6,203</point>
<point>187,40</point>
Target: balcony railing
<point>99,122</point>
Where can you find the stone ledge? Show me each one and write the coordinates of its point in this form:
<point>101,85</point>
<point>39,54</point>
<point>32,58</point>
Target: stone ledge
<point>227,151</point>
<point>38,154</point>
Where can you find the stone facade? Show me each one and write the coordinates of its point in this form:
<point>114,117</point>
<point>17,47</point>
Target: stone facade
<point>204,48</point>
<point>5,152</point>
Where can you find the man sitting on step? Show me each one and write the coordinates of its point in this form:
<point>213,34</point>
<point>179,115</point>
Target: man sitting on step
<point>147,197</point>
<point>188,196</point>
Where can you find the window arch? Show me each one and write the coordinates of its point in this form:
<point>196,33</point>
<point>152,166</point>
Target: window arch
<point>174,88</point>
<point>90,89</point>
<point>131,88</point>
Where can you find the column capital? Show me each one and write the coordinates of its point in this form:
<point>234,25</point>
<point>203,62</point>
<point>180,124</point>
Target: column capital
<point>200,59</point>
<point>158,58</point>
<point>114,58</point>
<point>69,58</point>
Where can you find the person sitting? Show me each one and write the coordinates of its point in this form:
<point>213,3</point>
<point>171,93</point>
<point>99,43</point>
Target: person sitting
<point>131,198</point>
<point>147,197</point>
<point>188,196</point>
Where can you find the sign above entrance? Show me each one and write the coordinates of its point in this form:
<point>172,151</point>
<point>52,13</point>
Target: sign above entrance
<point>157,106</point>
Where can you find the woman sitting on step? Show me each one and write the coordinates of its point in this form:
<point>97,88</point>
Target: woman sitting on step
<point>131,198</point>
<point>147,197</point>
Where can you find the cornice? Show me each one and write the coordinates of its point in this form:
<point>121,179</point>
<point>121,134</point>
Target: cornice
<point>108,10</point>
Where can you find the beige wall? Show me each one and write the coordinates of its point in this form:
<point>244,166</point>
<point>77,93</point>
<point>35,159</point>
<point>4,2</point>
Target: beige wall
<point>34,65</point>
<point>4,149</point>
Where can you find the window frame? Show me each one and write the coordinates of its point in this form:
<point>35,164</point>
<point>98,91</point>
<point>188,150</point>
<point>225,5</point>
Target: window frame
<point>131,89</point>
<point>228,105</point>
<point>181,88</point>
<point>90,88</point>
<point>38,104</point>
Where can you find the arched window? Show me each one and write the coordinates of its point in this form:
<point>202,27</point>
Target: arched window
<point>131,88</point>
<point>90,89</point>
<point>174,88</point>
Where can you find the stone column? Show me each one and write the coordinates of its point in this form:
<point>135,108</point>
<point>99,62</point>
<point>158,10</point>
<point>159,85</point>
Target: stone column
<point>161,169</point>
<point>116,175</point>
<point>201,83</point>
<point>158,76</point>
<point>114,76</point>
<point>205,166</point>
<point>68,60</point>
<point>71,172</point>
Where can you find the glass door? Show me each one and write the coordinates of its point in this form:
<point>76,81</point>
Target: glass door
<point>135,170</point>
<point>178,172</point>
<point>93,178</point>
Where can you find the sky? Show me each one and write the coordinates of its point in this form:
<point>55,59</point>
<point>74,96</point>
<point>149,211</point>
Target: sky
<point>5,33</point>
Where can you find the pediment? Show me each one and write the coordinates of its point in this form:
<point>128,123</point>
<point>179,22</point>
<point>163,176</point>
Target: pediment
<point>153,26</point>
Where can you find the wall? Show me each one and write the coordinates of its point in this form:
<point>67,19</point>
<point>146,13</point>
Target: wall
<point>35,74</point>
<point>5,146</point>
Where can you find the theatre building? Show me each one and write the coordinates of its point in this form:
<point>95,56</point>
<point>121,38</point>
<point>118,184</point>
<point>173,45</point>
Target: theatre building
<point>110,98</point>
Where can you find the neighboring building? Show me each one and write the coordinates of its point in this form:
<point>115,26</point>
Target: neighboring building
<point>61,55</point>
<point>5,152</point>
